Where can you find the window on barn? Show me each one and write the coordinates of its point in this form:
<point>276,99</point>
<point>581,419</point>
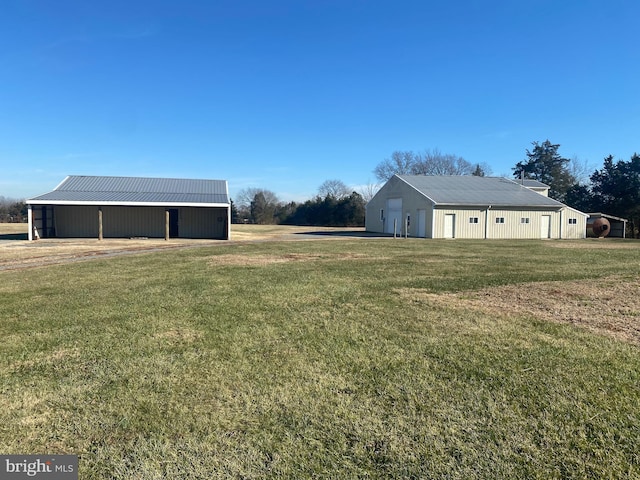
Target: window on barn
<point>573,221</point>
<point>499,219</point>
<point>473,219</point>
<point>524,220</point>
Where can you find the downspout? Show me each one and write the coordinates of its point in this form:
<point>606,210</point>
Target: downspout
<point>486,222</point>
<point>433,222</point>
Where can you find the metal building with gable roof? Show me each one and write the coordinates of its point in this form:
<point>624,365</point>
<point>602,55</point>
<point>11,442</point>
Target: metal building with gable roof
<point>470,207</point>
<point>124,207</point>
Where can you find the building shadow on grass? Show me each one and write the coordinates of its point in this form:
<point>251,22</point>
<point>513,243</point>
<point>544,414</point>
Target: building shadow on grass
<point>342,233</point>
<point>14,236</point>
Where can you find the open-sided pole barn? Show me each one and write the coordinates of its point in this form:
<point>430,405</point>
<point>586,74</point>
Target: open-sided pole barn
<point>125,207</point>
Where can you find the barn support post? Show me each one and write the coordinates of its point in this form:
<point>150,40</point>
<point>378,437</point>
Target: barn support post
<point>100,230</point>
<point>30,218</point>
<point>166,224</point>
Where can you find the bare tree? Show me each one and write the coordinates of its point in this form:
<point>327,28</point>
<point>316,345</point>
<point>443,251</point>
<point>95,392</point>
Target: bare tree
<point>259,204</point>
<point>368,191</point>
<point>431,162</point>
<point>581,170</point>
<point>400,163</point>
<point>434,162</point>
<point>247,195</point>
<point>334,188</point>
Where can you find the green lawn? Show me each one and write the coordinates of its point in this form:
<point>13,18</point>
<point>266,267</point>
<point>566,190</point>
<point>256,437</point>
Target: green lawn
<point>303,359</point>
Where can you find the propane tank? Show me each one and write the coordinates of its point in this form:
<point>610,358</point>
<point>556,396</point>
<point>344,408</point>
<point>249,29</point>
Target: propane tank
<point>600,227</point>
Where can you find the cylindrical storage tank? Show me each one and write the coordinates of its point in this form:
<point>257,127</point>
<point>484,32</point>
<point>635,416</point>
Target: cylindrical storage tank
<point>600,227</point>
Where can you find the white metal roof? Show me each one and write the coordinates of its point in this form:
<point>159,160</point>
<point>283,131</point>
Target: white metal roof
<point>142,191</point>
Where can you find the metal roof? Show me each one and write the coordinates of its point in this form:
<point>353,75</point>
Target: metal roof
<point>472,190</point>
<point>530,183</point>
<point>90,190</point>
<point>605,215</point>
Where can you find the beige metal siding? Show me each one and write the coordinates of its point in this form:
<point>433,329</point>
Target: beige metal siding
<point>517,224</point>
<point>429,221</point>
<point>412,201</point>
<point>512,227</point>
<point>76,221</point>
<point>463,228</point>
<point>124,222</point>
<point>576,230</point>
<point>374,221</point>
<point>486,227</point>
<point>202,222</point>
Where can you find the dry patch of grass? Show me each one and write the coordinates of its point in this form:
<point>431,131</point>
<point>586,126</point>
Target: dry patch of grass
<point>599,243</point>
<point>608,306</point>
<point>263,260</point>
<point>14,228</point>
<point>45,360</point>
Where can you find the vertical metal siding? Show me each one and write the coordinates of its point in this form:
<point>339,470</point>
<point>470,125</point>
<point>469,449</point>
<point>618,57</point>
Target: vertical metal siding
<point>394,188</point>
<point>512,228</point>
<point>124,222</point>
<point>462,228</point>
<point>573,231</point>
<point>201,222</point>
<point>76,221</point>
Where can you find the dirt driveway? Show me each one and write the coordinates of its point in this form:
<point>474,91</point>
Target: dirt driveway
<point>16,252</point>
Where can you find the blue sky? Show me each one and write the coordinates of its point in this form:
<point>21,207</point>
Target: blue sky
<point>285,94</point>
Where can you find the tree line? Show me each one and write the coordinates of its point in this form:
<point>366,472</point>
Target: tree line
<point>334,205</point>
<point>614,189</point>
<point>12,211</point>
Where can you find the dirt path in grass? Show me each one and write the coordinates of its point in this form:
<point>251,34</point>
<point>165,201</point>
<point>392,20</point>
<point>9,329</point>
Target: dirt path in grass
<point>18,253</point>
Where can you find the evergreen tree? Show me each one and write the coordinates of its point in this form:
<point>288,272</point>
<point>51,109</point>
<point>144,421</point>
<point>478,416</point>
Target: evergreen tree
<point>616,189</point>
<point>545,164</point>
<point>234,213</point>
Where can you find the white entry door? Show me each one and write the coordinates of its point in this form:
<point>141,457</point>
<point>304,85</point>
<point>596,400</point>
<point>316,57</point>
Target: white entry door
<point>545,226</point>
<point>394,216</point>
<point>421,229</point>
<point>449,225</point>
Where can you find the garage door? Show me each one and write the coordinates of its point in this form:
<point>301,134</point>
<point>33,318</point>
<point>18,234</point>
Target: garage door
<point>394,216</point>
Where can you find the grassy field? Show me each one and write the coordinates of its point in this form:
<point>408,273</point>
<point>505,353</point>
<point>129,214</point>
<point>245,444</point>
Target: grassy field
<point>357,358</point>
